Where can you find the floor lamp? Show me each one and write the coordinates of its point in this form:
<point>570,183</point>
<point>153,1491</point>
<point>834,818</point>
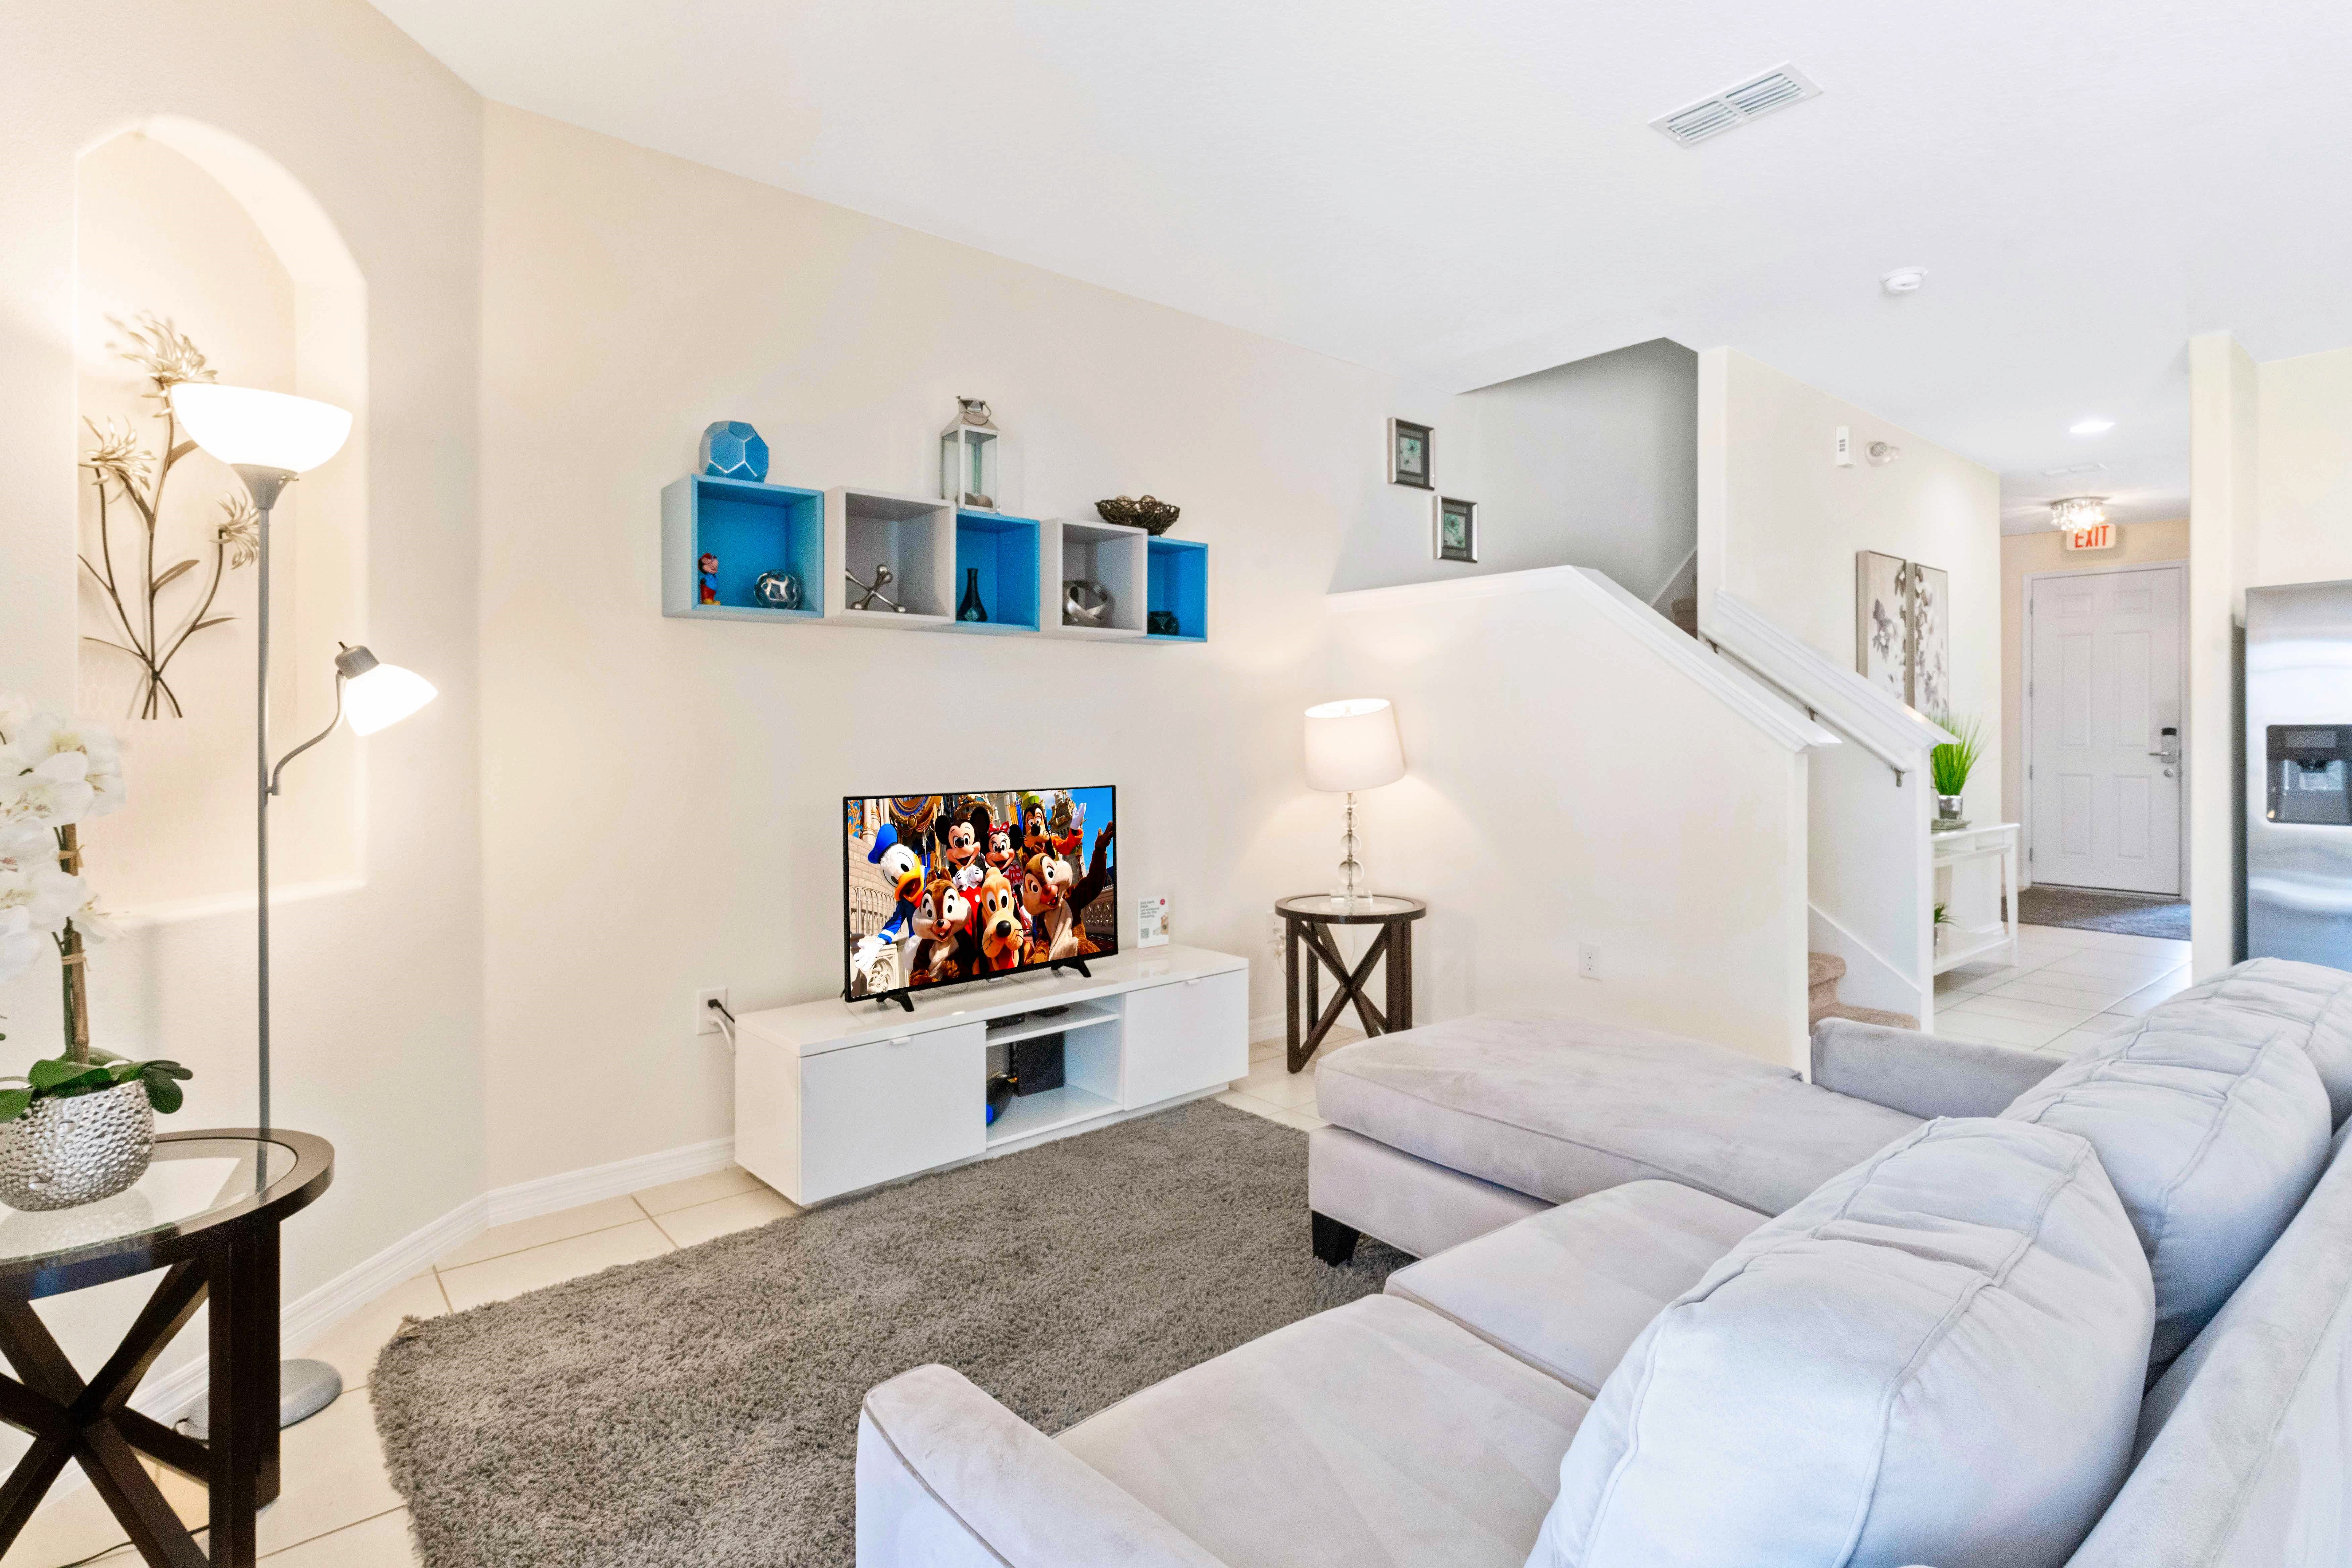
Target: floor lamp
<point>271,439</point>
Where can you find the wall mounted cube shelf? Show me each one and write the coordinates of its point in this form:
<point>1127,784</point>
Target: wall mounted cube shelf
<point>931,548</point>
<point>999,555</point>
<point>1178,570</point>
<point>750,528</point>
<point>916,539</point>
<point>1100,553</point>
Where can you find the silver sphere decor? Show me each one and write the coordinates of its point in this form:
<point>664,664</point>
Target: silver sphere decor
<point>78,1150</point>
<point>777,590</point>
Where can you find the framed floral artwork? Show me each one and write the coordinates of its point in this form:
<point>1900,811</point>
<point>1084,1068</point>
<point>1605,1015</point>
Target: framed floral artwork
<point>1454,531</point>
<point>1410,454</point>
<point>1882,622</point>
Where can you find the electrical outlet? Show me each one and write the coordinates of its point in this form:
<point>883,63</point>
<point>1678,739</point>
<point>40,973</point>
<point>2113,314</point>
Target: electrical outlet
<point>706,1022</point>
<point>1588,961</point>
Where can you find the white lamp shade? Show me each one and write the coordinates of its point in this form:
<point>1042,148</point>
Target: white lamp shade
<point>1352,744</point>
<point>244,426</point>
<point>384,695</point>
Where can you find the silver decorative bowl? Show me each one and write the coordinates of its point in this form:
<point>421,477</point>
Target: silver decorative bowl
<point>63,1152</point>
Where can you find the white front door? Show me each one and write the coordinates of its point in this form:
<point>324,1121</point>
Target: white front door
<point>2103,666</point>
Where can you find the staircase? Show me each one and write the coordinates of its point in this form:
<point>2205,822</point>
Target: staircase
<point>1822,973</point>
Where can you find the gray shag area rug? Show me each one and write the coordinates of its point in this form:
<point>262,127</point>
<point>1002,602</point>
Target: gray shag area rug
<point>700,1409</point>
<point>2130,914</point>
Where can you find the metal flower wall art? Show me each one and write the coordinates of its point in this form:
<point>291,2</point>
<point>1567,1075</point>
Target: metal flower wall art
<point>131,540</point>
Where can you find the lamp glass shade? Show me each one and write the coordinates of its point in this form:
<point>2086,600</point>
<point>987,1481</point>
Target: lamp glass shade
<point>384,695</point>
<point>247,428</point>
<point>1352,744</point>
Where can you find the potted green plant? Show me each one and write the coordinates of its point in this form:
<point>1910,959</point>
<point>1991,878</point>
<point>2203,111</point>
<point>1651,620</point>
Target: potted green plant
<point>78,1126</point>
<point>1950,765</point>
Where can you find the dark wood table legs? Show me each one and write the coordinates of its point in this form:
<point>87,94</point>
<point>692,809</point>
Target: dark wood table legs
<point>1307,927</point>
<point>93,1422</point>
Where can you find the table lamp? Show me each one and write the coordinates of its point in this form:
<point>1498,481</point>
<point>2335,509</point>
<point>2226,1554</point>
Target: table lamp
<point>271,438</point>
<point>1351,745</point>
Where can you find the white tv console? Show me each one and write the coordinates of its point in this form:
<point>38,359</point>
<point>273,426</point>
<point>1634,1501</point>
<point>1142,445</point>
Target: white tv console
<point>832,1097</point>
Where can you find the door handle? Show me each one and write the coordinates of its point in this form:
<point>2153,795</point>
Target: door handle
<point>2167,745</point>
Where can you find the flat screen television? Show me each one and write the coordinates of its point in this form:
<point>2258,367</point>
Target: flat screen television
<point>940,889</point>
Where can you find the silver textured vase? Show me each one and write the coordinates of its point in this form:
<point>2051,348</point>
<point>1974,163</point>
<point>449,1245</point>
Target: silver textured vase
<point>78,1150</point>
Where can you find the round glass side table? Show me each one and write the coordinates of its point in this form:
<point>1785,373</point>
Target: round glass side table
<point>1307,921</point>
<point>206,1212</point>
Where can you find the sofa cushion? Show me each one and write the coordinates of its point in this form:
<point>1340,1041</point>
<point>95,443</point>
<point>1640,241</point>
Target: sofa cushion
<point>2214,1126</point>
<point>1558,1108</point>
<point>1568,1290</point>
<point>1936,1358</point>
<point>2246,1443</point>
<point>1376,1433</point>
<point>2311,996</point>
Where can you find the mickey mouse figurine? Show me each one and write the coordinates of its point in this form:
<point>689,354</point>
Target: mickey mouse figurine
<point>706,570</point>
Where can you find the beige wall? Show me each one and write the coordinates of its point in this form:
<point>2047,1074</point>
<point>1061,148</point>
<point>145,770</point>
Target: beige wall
<point>1779,525</point>
<point>378,995</point>
<point>662,798</point>
<point>2022,554</point>
<point>2270,499</point>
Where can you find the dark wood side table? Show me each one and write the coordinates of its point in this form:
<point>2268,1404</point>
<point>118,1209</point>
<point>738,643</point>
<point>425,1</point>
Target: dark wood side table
<point>207,1213</point>
<point>1307,921</point>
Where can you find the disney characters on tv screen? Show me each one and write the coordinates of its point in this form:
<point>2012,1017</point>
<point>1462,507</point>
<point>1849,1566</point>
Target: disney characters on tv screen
<point>943,889</point>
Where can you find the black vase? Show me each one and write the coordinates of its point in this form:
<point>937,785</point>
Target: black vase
<point>970,608</point>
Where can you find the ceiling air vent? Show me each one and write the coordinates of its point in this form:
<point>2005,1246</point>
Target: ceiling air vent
<point>1736,105</point>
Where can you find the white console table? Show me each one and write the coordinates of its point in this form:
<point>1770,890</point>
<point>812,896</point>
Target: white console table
<point>1976,881</point>
<point>831,1097</point>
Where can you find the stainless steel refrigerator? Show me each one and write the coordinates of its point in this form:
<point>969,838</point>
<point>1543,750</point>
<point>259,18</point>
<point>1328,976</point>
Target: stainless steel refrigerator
<point>2298,665</point>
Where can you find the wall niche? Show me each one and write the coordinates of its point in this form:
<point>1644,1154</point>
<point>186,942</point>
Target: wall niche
<point>189,242</point>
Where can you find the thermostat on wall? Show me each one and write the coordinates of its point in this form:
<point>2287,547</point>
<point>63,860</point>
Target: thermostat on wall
<point>1841,450</point>
<point>1151,922</point>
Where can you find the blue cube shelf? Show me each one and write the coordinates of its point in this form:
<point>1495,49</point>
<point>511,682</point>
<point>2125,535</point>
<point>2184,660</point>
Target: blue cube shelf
<point>750,528</point>
<point>1003,552</point>
<point>1177,579</point>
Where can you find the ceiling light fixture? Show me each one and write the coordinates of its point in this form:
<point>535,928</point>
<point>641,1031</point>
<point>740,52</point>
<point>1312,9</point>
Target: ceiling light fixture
<point>2078,512</point>
<point>2090,426</point>
<point>1904,281</point>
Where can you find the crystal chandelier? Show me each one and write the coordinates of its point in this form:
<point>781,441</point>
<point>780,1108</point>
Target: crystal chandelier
<point>2078,512</point>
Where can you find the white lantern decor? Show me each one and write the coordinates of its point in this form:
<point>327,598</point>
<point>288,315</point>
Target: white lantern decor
<point>968,457</point>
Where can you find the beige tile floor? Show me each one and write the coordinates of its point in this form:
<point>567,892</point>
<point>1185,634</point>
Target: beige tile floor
<point>2068,990</point>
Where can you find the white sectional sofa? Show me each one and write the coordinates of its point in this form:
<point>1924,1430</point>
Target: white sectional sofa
<point>2095,1315</point>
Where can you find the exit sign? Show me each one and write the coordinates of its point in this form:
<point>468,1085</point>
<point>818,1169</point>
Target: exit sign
<point>2098,536</point>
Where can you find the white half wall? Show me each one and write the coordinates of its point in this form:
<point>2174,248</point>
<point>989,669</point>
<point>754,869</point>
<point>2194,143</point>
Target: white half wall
<point>1568,784</point>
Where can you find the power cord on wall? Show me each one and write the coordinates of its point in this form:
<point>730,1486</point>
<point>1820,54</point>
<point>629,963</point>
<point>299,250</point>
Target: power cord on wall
<point>726,1022</point>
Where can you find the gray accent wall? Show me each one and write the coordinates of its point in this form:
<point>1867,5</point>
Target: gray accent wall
<point>1593,463</point>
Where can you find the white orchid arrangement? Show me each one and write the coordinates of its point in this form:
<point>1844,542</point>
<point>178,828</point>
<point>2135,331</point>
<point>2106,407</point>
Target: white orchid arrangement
<point>53,774</point>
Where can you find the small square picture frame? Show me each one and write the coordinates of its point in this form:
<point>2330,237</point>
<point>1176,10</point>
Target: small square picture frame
<point>1454,529</point>
<point>1412,455</point>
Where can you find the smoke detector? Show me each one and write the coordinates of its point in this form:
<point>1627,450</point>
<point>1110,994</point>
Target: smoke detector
<point>1904,281</point>
<point>1736,106</point>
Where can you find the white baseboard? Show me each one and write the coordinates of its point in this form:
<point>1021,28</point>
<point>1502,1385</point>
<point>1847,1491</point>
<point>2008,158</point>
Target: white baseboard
<point>304,1321</point>
<point>527,1200</point>
<point>1268,1026</point>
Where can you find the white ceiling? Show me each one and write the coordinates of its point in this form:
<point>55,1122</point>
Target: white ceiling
<point>1470,191</point>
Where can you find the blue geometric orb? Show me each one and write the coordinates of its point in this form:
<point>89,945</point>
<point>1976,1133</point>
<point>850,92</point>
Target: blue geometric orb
<point>731,449</point>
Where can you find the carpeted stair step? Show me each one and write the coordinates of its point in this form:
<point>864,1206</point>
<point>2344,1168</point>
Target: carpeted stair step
<point>1864,1016</point>
<point>1822,973</point>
